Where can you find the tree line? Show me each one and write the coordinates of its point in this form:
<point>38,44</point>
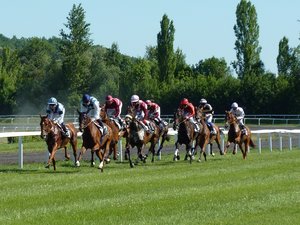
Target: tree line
<point>34,69</point>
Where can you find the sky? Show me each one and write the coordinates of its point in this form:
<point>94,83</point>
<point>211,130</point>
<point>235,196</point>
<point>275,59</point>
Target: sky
<point>203,29</point>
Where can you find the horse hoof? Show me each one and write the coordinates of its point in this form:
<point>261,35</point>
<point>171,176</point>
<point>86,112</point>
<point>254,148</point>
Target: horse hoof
<point>199,160</point>
<point>77,164</point>
<point>47,166</point>
<point>213,154</point>
<point>93,164</point>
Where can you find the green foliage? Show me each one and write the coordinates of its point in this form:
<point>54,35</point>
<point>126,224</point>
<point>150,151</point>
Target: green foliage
<point>247,45</point>
<point>213,67</point>
<point>165,51</point>
<point>76,55</point>
<point>34,69</point>
<point>9,69</point>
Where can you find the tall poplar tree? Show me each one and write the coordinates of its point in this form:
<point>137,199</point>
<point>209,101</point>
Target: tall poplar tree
<point>76,55</point>
<point>165,50</point>
<point>284,57</point>
<point>247,45</point>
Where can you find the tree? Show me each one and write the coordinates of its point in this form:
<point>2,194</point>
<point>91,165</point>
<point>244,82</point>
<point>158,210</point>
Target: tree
<point>76,55</point>
<point>247,45</point>
<point>284,57</point>
<point>9,70</point>
<point>213,67</point>
<point>165,51</point>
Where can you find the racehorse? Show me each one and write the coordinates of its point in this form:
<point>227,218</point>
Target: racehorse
<point>163,132</point>
<point>93,139</point>
<point>236,136</point>
<point>115,133</point>
<point>137,137</point>
<point>186,135</point>
<point>212,137</point>
<point>52,133</point>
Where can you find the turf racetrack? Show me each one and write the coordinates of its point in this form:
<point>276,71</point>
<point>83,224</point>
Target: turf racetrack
<point>263,189</point>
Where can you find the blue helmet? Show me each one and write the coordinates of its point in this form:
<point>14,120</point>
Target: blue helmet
<point>52,101</point>
<point>86,98</point>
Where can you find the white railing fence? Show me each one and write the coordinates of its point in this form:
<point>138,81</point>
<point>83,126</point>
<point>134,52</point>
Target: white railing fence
<point>280,132</point>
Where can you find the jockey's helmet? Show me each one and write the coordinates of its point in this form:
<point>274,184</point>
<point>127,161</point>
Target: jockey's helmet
<point>148,102</point>
<point>234,105</point>
<point>109,98</point>
<point>86,98</point>
<point>52,101</point>
<point>203,101</point>
<point>184,101</point>
<point>135,98</point>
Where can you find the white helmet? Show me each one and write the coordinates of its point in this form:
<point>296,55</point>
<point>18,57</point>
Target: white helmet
<point>203,101</point>
<point>135,98</point>
<point>52,101</point>
<point>234,105</point>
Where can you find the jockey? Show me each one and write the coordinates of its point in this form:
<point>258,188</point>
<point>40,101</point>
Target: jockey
<point>188,111</point>
<point>141,112</point>
<point>239,114</point>
<point>56,112</point>
<point>113,108</point>
<point>154,113</point>
<point>208,112</point>
<point>91,105</point>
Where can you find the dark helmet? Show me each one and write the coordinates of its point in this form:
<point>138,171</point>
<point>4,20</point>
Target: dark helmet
<point>86,98</point>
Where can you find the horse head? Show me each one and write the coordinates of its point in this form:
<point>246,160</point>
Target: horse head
<point>46,126</point>
<point>83,119</point>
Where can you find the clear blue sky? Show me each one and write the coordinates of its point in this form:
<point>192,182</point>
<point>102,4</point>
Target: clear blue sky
<point>203,28</point>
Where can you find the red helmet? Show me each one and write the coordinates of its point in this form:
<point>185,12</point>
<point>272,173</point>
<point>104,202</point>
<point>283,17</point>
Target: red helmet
<point>148,102</point>
<point>109,98</point>
<point>184,101</point>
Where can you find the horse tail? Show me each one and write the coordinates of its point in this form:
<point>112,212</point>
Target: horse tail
<point>252,143</point>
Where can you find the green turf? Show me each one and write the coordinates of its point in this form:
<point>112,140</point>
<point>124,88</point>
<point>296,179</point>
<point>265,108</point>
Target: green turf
<point>263,189</point>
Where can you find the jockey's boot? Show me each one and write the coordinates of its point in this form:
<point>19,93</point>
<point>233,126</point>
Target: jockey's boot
<point>211,129</point>
<point>196,129</point>
<point>243,129</point>
<point>102,127</point>
<point>66,131</point>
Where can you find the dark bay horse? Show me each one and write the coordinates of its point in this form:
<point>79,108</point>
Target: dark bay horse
<point>200,116</point>
<point>186,135</point>
<point>92,139</point>
<point>55,140</point>
<point>236,136</point>
<point>138,137</point>
<point>115,133</point>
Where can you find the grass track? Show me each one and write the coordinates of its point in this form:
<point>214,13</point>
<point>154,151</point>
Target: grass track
<point>264,189</point>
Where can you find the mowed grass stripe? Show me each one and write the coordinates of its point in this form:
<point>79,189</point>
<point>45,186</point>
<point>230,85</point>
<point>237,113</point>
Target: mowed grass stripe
<point>264,189</point>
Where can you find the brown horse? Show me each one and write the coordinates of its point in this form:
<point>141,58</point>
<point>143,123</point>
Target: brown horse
<point>115,133</point>
<point>92,139</point>
<point>236,136</point>
<point>203,137</point>
<point>138,137</point>
<point>163,134</point>
<point>186,135</point>
<point>52,133</point>
<point>200,116</point>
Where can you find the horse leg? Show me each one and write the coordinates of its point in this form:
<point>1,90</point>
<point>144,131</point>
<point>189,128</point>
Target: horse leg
<point>51,156</point>
<point>67,155</point>
<point>82,151</point>
<point>211,150</point>
<point>127,152</point>
<point>235,148</point>
<point>100,157</point>
<point>176,153</point>
<point>92,159</point>
<point>218,140</point>
<point>74,147</point>
<point>226,147</point>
